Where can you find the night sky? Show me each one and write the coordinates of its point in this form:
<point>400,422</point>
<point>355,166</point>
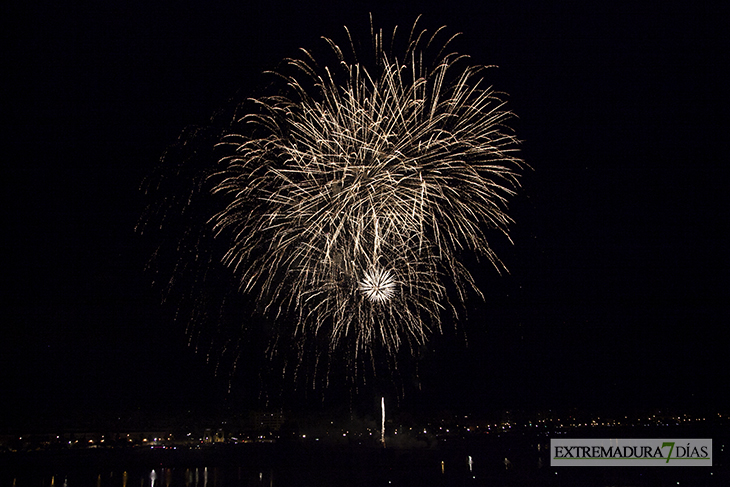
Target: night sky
<point>618,293</point>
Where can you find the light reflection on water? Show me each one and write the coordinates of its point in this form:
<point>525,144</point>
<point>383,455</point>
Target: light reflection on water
<point>325,468</point>
<point>156,477</point>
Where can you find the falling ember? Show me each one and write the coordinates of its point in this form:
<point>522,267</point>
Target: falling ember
<point>382,421</point>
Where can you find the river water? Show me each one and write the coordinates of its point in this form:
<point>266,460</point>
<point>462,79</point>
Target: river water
<point>296,465</point>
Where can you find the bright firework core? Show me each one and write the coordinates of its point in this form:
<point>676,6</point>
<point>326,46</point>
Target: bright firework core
<point>378,285</point>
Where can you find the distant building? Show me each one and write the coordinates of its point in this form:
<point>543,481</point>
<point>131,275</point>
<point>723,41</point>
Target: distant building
<point>267,422</point>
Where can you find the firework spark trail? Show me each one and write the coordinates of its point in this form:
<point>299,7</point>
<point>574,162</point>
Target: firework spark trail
<point>349,196</point>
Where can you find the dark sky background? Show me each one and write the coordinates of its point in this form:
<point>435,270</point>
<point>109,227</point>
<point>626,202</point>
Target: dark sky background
<point>618,293</point>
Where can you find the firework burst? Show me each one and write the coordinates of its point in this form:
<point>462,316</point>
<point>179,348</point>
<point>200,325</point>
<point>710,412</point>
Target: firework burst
<point>378,285</point>
<point>347,198</point>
